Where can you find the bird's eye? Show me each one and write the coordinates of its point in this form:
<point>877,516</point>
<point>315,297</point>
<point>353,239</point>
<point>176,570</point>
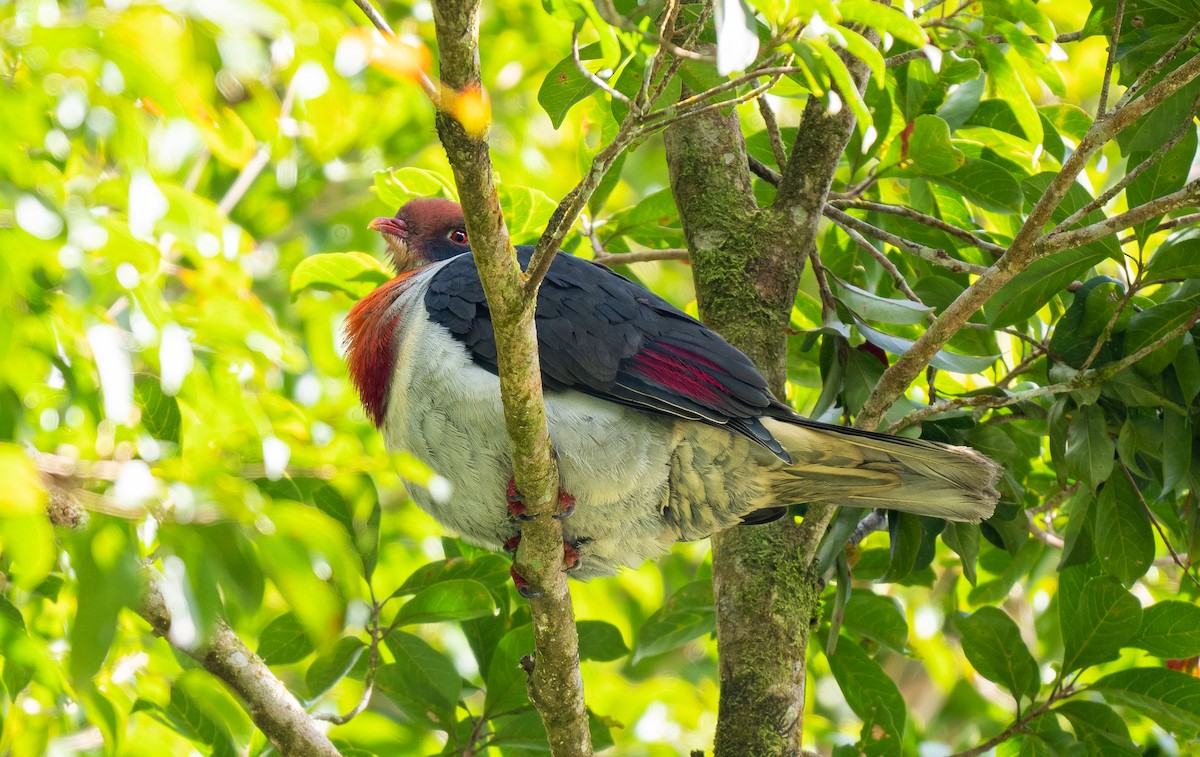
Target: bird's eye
<point>458,236</point>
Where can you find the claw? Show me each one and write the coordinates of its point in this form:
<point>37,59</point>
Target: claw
<point>516,503</point>
<point>566,504</point>
<point>523,586</point>
<point>571,558</point>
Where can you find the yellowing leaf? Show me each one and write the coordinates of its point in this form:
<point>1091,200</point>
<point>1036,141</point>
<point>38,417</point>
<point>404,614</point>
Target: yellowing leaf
<point>401,58</point>
<point>471,108</point>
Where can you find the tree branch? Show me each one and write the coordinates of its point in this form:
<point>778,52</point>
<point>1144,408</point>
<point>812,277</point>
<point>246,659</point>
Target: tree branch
<point>270,705</point>
<point>1186,196</point>
<point>933,255</point>
<point>1023,250</point>
<point>555,685</point>
<point>923,219</point>
<point>1112,57</point>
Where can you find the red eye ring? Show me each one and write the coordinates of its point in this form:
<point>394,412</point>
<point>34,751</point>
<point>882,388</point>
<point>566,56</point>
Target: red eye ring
<point>458,236</point>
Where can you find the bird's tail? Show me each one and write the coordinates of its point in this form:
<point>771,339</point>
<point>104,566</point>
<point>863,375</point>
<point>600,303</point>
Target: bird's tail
<point>854,468</point>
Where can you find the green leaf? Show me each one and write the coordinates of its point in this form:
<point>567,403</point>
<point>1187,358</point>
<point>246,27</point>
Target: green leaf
<point>1166,175</point>
<point>687,615</point>
<point>1106,617</point>
<point>564,85</point>
<point>422,681</point>
<point>600,641</point>
<point>1089,448</point>
<point>14,643</point>
<point>904,546</point>
<point>992,643</point>
<point>1170,629</point>
<point>943,359</point>
<point>883,19</point>
<point>456,599</point>
<point>506,689</point>
<point>194,720</point>
<point>842,80</point>
<point>354,273</point>
<point>986,184</point>
<point>930,149</point>
<point>491,570</point>
<point>526,210</point>
<point>397,186</point>
<point>1150,325</point>
<point>1169,698</point>
<point>160,413</point>
<point>876,617</point>
<point>284,640</point>
<point>963,538</point>
<point>873,696</point>
<point>1123,535</point>
<point>1036,285</point>
<point>858,46</point>
<point>872,307</point>
<point>1007,85</point>
<point>1178,257</point>
<point>329,668</point>
<point>1100,728</point>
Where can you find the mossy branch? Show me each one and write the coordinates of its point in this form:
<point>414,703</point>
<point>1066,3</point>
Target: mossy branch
<point>555,684</point>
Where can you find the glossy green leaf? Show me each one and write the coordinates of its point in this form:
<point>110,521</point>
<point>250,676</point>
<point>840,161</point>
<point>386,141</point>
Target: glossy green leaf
<point>329,668</point>
<point>944,359</point>
<point>600,641</point>
<point>871,307</point>
<point>1170,629</point>
<point>1149,326</point>
<point>352,273</point>
<point>992,643</point>
<point>1168,697</point>
<point>1123,534</point>
<point>883,18</point>
<point>686,615</point>
<point>284,640</point>
<point>1167,174</point>
<point>506,689</point>
<point>930,149</point>
<point>454,599</point>
<point>872,695</point>
<point>399,185</point>
<point>986,184</point>
<point>564,85</point>
<point>877,617</point>
<point>160,413</point>
<point>1098,727</point>
<point>491,570</point>
<point>1178,257</point>
<point>422,681</point>
<point>1089,447</point>
<point>1106,618</point>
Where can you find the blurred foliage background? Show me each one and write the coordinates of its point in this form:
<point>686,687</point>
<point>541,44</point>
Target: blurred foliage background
<point>165,168</point>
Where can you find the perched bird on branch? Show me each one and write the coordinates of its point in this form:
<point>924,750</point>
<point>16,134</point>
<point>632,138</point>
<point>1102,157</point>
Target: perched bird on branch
<point>664,431</point>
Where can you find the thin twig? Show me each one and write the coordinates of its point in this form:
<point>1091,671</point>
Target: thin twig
<point>1153,71</point>
<point>897,277</point>
<point>773,133</point>
<point>828,302</point>
<point>1132,173</point>
<point>1069,239</point>
<point>924,219</point>
<point>431,90</point>
<point>1019,725</point>
<point>593,78</point>
<point>609,13</point>
<point>1112,57</point>
<point>933,255</point>
<point>372,668</point>
<point>874,521</point>
<point>1081,380</point>
<point>763,171</point>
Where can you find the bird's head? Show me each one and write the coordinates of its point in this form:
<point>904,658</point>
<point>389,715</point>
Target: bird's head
<point>423,231</point>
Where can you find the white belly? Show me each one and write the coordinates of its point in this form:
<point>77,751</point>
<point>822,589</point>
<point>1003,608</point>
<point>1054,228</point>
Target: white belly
<point>615,461</point>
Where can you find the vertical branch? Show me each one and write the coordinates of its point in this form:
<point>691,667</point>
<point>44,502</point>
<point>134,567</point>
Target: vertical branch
<point>555,685</point>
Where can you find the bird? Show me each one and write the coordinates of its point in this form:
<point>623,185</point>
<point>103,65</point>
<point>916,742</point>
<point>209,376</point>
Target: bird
<point>663,431</point>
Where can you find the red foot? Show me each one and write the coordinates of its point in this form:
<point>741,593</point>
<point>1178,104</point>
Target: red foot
<point>516,503</point>
<point>571,561</point>
<point>523,586</point>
